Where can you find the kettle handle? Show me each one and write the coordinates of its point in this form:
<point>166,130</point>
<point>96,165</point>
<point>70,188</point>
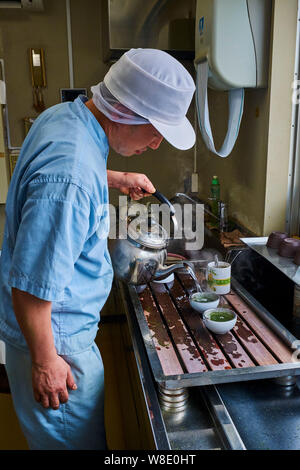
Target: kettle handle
<point>162,199</point>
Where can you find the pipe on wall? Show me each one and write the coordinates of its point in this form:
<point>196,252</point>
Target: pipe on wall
<point>70,48</point>
<point>293,194</point>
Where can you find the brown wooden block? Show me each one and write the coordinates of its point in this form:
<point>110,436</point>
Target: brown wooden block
<point>184,343</point>
<point>235,352</point>
<point>253,346</point>
<point>208,346</point>
<point>263,331</point>
<point>162,342</point>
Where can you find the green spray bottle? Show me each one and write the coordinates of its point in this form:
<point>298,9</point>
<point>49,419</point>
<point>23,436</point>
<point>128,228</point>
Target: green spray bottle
<point>215,195</point>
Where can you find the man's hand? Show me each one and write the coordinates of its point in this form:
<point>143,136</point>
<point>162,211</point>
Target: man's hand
<point>50,382</point>
<point>136,185</point>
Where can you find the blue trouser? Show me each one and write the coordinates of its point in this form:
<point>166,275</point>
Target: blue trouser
<point>77,424</point>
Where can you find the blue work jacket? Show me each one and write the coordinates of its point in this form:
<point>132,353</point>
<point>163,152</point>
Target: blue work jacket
<point>57,223</point>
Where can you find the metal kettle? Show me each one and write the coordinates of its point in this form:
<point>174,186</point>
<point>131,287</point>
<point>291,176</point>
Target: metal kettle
<point>140,258</point>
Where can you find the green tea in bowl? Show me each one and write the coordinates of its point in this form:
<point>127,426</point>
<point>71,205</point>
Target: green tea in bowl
<point>202,301</point>
<point>221,316</point>
<point>219,320</point>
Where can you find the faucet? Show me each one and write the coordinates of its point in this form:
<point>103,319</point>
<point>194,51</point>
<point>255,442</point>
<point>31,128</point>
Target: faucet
<point>229,252</point>
<point>194,201</point>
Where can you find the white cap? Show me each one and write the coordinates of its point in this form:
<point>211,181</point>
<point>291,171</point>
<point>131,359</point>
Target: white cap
<point>157,87</point>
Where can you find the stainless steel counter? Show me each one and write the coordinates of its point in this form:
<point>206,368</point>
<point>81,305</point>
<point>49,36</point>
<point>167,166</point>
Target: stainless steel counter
<point>249,415</point>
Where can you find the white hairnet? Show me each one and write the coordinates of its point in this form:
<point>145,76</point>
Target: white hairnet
<point>149,86</point>
<point>112,108</point>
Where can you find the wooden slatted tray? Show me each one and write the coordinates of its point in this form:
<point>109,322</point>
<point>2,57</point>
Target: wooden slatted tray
<point>183,352</point>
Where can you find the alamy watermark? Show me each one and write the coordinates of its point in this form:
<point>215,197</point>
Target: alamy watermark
<point>156,220</point>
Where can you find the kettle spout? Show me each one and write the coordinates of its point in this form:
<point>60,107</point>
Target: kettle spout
<point>164,271</point>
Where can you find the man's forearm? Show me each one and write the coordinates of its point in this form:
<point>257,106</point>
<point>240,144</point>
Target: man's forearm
<point>115,179</point>
<point>130,182</point>
<point>34,318</point>
<point>51,374</point>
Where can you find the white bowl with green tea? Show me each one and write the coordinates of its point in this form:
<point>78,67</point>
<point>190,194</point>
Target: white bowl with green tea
<point>202,301</point>
<point>219,320</point>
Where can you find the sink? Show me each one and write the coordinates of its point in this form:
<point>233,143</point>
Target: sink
<point>212,245</point>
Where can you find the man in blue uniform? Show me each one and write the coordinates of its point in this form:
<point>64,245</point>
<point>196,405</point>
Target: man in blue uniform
<point>55,269</point>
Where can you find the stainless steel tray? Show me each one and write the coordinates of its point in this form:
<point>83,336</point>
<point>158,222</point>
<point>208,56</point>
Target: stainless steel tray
<point>186,379</point>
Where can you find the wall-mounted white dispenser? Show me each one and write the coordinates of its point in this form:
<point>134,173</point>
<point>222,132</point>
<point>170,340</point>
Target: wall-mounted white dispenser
<point>231,53</point>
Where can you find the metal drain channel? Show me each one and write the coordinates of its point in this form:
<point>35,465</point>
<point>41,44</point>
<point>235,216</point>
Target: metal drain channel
<point>222,419</point>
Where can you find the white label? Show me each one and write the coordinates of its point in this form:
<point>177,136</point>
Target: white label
<point>36,60</point>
